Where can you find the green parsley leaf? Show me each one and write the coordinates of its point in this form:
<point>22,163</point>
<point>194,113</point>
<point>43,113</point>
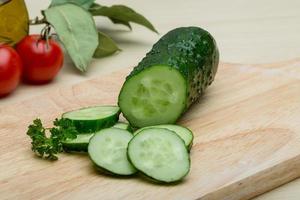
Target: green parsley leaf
<point>48,147</point>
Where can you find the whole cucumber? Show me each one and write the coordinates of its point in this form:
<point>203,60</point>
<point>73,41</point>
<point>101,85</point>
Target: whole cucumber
<point>171,77</point>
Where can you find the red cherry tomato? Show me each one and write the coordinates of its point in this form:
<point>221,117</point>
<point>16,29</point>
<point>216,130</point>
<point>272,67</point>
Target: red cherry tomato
<point>10,69</point>
<point>41,59</point>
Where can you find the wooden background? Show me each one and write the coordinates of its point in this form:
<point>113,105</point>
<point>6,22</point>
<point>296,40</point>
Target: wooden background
<point>257,31</point>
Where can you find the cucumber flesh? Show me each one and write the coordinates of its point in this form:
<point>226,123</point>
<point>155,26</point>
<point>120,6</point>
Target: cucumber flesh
<point>160,154</point>
<point>123,125</point>
<point>92,113</point>
<point>92,119</point>
<point>79,144</point>
<point>157,95</point>
<point>108,150</point>
<point>184,133</point>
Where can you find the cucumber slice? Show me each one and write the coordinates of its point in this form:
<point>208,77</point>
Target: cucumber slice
<point>123,125</point>
<point>160,154</point>
<point>79,144</point>
<point>108,150</point>
<point>92,119</point>
<point>184,133</point>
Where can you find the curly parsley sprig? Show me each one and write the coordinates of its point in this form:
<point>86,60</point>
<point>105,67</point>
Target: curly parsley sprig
<point>48,147</point>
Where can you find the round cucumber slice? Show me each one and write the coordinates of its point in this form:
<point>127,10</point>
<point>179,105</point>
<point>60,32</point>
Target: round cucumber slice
<point>156,95</point>
<point>184,133</point>
<point>108,150</point>
<point>160,154</point>
<point>79,144</point>
<point>92,119</point>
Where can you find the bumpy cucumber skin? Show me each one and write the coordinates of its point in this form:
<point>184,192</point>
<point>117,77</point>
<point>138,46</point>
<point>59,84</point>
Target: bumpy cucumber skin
<point>91,126</point>
<point>192,51</point>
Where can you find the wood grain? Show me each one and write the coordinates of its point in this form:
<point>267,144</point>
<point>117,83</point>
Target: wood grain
<point>246,140</point>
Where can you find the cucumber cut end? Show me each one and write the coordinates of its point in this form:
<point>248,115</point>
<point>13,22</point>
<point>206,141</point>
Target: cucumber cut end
<point>160,154</point>
<point>157,95</point>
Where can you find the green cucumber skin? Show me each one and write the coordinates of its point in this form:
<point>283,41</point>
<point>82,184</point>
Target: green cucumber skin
<point>150,178</point>
<point>109,173</point>
<point>75,146</point>
<point>83,147</point>
<point>189,148</point>
<point>190,50</point>
<point>91,126</point>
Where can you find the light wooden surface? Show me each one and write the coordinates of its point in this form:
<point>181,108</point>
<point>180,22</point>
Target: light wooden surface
<point>257,31</point>
<point>246,140</point>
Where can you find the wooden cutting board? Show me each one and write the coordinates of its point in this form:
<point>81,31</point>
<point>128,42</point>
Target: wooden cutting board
<point>247,140</point>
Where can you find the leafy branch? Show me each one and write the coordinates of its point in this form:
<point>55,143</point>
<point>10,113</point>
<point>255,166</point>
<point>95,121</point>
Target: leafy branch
<point>74,24</point>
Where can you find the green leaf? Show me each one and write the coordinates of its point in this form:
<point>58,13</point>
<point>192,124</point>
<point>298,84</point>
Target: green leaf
<point>83,3</point>
<point>121,14</point>
<point>115,21</point>
<point>118,21</point>
<point>76,30</point>
<point>14,22</point>
<point>106,46</point>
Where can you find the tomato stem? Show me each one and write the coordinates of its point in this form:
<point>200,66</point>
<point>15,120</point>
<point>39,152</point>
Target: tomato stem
<point>45,34</point>
<point>37,21</point>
